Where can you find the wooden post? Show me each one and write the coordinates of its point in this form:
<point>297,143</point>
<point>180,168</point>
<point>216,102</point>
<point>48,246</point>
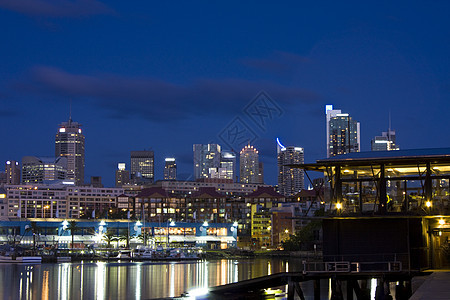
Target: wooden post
<point>317,289</point>
<point>349,289</point>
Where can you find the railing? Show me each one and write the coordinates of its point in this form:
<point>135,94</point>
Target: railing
<point>351,267</point>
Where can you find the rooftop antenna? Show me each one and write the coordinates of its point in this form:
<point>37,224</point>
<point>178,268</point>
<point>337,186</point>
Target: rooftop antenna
<point>70,111</point>
<point>389,119</point>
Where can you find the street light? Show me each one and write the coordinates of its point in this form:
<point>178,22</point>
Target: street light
<point>172,223</point>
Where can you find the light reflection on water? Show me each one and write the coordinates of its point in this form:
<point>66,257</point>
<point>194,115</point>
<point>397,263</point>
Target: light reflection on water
<point>128,280</point>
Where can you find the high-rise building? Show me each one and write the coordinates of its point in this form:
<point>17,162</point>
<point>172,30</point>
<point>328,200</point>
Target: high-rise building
<point>170,169</point>
<point>142,167</point>
<point>290,180</point>
<point>69,143</point>
<point>12,170</point>
<point>261,173</point>
<point>206,160</point>
<point>249,165</point>
<point>385,142</point>
<point>343,134</point>
<point>122,175</point>
<point>43,169</point>
<point>228,165</point>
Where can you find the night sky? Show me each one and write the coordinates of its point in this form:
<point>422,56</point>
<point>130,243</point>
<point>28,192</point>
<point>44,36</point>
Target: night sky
<point>164,76</point>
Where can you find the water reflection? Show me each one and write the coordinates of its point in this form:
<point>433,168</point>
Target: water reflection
<point>126,280</point>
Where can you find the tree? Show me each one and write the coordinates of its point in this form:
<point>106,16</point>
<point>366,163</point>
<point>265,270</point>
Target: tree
<point>34,229</point>
<point>110,237</point>
<point>73,227</point>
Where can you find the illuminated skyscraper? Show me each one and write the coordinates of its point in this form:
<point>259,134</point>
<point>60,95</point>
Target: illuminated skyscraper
<point>228,165</point>
<point>142,167</point>
<point>69,143</point>
<point>249,165</point>
<point>385,142</point>
<point>290,180</point>
<point>206,160</point>
<point>12,170</point>
<point>122,175</point>
<point>170,169</point>
<point>43,169</point>
<point>343,134</point>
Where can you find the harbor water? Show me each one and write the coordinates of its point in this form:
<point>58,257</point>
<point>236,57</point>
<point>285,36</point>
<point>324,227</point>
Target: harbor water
<point>138,280</point>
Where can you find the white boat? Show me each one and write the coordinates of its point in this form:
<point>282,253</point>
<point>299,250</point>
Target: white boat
<point>124,254</point>
<point>144,253</point>
<point>21,259</point>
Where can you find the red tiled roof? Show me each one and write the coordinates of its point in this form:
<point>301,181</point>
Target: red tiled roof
<point>155,192</point>
<point>268,191</point>
<point>207,192</point>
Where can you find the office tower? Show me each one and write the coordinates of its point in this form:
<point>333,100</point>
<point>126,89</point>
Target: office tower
<point>206,160</point>
<point>170,169</point>
<point>343,134</point>
<point>43,169</point>
<point>122,175</point>
<point>12,170</point>
<point>261,172</point>
<point>385,142</point>
<point>96,181</point>
<point>69,143</point>
<point>249,165</point>
<point>290,180</point>
<point>142,167</point>
<point>228,165</point>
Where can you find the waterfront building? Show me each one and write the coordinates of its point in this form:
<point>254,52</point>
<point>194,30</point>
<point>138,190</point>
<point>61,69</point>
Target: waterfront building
<point>69,143</point>
<point>249,165</point>
<point>60,200</point>
<point>282,224</point>
<point>154,204</point>
<point>12,170</point>
<point>223,186</point>
<point>343,133</point>
<point>385,142</point>
<point>170,169</point>
<point>208,205</point>
<point>228,165</point>
<point>206,159</point>
<point>54,232</point>
<point>142,167</point>
<point>290,180</point>
<point>122,175</point>
<point>43,169</point>
<point>257,209</point>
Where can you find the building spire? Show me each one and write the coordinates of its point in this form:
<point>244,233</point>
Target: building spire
<point>70,111</point>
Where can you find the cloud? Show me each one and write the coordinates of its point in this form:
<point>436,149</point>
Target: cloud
<point>280,63</point>
<point>158,100</point>
<point>56,8</point>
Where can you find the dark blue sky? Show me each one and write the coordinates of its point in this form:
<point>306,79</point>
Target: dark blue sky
<point>167,75</point>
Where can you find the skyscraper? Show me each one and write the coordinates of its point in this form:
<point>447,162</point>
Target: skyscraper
<point>170,169</point>
<point>249,165</point>
<point>206,160</point>
<point>228,165</point>
<point>142,167</point>
<point>290,180</point>
<point>122,175</point>
<point>69,143</point>
<point>43,169</point>
<point>385,142</point>
<point>343,134</point>
<point>12,170</point>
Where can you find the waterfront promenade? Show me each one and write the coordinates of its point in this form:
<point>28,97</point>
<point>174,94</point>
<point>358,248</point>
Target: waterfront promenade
<point>435,286</point>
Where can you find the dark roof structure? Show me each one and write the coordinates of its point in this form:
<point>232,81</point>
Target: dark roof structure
<point>207,192</point>
<point>265,191</point>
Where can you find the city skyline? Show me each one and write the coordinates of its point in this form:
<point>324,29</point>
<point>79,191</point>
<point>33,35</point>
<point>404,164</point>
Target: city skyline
<point>163,78</point>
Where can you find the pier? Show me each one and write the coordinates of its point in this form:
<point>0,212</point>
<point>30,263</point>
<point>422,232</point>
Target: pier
<point>343,275</point>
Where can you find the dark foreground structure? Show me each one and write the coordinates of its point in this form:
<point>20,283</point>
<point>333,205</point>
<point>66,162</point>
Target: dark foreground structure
<point>388,217</point>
